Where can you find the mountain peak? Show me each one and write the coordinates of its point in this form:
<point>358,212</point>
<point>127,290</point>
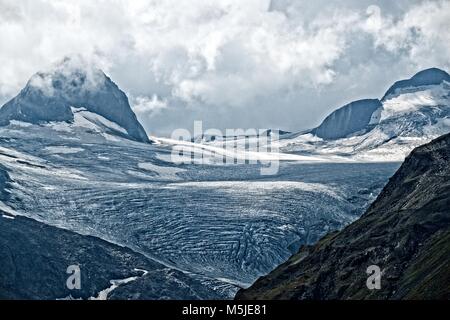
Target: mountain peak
<point>431,76</point>
<point>72,75</point>
<point>427,77</point>
<point>427,88</point>
<point>73,82</point>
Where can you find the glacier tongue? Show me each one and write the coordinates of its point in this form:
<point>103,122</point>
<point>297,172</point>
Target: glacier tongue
<point>222,225</point>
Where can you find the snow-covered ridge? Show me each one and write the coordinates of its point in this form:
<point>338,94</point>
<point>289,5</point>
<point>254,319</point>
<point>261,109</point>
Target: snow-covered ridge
<point>411,113</point>
<point>427,77</point>
<point>380,131</point>
<point>389,131</point>
<point>413,99</point>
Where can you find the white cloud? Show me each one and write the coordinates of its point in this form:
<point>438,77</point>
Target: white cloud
<point>146,106</point>
<point>422,32</point>
<point>69,69</point>
<point>229,61</point>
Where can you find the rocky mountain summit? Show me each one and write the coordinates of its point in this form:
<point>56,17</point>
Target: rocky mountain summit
<point>53,95</point>
<point>427,77</point>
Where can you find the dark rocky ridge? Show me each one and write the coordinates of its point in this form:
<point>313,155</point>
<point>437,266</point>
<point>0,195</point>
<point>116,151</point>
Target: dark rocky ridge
<point>35,256</point>
<point>406,232</point>
<point>49,96</point>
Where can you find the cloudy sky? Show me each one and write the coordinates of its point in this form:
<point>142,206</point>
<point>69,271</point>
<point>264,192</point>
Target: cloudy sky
<point>231,63</point>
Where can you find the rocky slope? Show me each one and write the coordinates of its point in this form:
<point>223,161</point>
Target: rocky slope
<point>406,232</point>
<point>52,96</point>
<point>349,119</point>
<point>35,256</point>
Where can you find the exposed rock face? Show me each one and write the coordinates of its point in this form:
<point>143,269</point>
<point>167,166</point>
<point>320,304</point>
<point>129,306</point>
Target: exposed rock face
<point>406,232</point>
<point>349,119</point>
<point>49,96</point>
<point>428,77</point>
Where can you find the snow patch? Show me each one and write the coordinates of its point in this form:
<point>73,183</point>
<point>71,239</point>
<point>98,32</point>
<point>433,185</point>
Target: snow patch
<point>90,120</point>
<point>212,152</point>
<point>7,209</point>
<point>103,295</point>
<point>20,124</point>
<point>62,150</point>
<point>376,116</point>
<point>60,126</point>
<point>169,173</point>
<point>430,96</point>
<point>110,137</point>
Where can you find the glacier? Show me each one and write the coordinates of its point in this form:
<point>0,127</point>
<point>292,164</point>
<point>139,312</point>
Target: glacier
<point>222,225</point>
<point>75,157</point>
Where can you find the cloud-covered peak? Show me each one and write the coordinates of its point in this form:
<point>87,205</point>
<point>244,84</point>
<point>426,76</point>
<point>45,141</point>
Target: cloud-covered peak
<point>71,76</point>
<point>50,96</point>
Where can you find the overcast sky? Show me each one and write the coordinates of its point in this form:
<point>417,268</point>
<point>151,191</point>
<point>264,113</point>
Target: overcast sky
<point>231,63</point>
